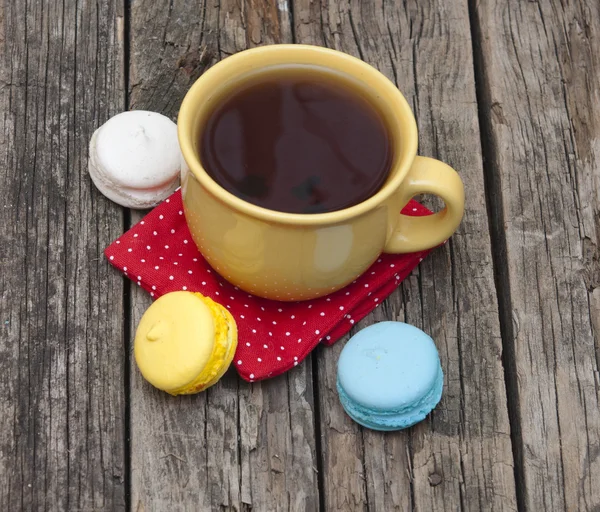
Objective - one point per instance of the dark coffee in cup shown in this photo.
(297, 139)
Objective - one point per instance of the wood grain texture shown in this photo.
(460, 458)
(541, 96)
(61, 308)
(240, 446)
(236, 446)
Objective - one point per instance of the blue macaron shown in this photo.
(389, 376)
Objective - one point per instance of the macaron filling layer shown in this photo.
(223, 350)
(395, 418)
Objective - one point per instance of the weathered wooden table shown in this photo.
(506, 92)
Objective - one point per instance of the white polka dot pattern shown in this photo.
(284, 332)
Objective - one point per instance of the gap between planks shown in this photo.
(493, 193)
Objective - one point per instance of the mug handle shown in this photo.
(428, 176)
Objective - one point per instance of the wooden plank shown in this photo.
(61, 308)
(541, 95)
(460, 458)
(237, 446)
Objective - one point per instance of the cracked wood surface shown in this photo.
(541, 104)
(62, 405)
(81, 430)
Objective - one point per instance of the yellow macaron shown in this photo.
(185, 342)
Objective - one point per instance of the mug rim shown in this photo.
(398, 171)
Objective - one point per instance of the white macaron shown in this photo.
(135, 158)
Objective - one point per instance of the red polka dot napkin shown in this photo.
(159, 255)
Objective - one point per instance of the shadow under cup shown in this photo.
(290, 256)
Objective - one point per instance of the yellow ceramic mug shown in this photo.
(289, 256)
